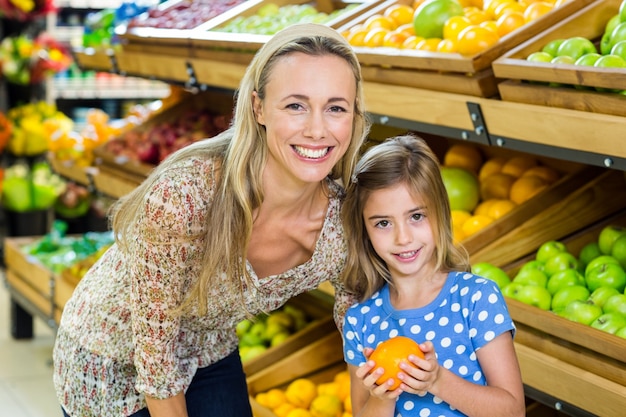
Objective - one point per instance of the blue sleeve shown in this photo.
(490, 315)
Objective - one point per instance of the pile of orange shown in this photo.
(505, 183)
(482, 25)
(305, 398)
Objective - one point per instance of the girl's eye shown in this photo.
(382, 224)
(417, 216)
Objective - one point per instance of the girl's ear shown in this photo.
(257, 107)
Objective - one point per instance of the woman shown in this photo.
(220, 231)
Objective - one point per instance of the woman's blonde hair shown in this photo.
(242, 151)
(399, 160)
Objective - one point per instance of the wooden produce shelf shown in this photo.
(97, 59)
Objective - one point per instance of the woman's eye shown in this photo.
(294, 106)
(337, 109)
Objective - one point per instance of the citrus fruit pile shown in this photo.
(305, 398)
(467, 27)
(482, 190)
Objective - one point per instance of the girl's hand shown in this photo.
(420, 377)
(368, 374)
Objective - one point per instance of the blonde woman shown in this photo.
(223, 229)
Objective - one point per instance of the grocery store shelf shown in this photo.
(116, 87)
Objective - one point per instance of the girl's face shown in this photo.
(307, 113)
(400, 231)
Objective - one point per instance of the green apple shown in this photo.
(609, 322)
(588, 59)
(599, 261)
(281, 318)
(252, 352)
(552, 46)
(607, 236)
(560, 262)
(539, 56)
(512, 289)
(563, 59)
(622, 11)
(617, 34)
(607, 275)
(621, 333)
(250, 339)
(590, 251)
(565, 278)
(548, 249)
(618, 251)
(610, 61)
(534, 296)
(575, 47)
(462, 188)
(599, 296)
(493, 273)
(243, 327)
(565, 296)
(533, 277)
(279, 338)
(615, 303)
(581, 312)
(619, 49)
(533, 264)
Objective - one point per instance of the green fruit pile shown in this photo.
(268, 330)
(588, 288)
(577, 50)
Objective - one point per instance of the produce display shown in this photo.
(482, 190)
(57, 251)
(27, 187)
(468, 27)
(586, 287)
(305, 398)
(186, 14)
(155, 142)
(271, 18)
(268, 330)
(609, 52)
(99, 28)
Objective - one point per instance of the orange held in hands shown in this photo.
(390, 353)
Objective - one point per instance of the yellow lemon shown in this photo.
(326, 406)
(301, 392)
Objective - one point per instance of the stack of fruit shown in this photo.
(468, 27)
(581, 51)
(482, 191)
(587, 288)
(305, 398)
(268, 330)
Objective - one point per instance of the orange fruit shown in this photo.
(380, 21)
(283, 410)
(408, 29)
(524, 188)
(499, 208)
(429, 44)
(477, 16)
(508, 7)
(399, 13)
(475, 39)
(490, 6)
(356, 37)
(483, 207)
(497, 185)
(375, 37)
(390, 353)
(411, 42)
(275, 397)
(508, 22)
(536, 10)
(301, 392)
(476, 223)
(490, 25)
(299, 412)
(446, 45)
(326, 406)
(547, 173)
(491, 166)
(463, 156)
(517, 165)
(395, 39)
(458, 218)
(454, 25)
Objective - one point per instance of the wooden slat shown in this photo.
(39, 301)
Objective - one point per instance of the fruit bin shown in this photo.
(207, 42)
(319, 308)
(130, 171)
(448, 72)
(576, 363)
(526, 81)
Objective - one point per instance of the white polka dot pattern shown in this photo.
(468, 313)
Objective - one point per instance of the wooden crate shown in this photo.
(319, 307)
(569, 360)
(448, 72)
(125, 174)
(530, 79)
(97, 59)
(68, 169)
(207, 38)
(318, 361)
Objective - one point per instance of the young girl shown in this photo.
(414, 282)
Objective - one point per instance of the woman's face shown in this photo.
(307, 113)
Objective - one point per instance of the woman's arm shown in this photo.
(502, 396)
(170, 407)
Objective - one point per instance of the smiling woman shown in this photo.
(249, 218)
